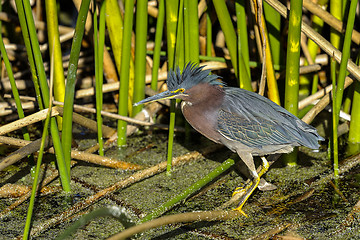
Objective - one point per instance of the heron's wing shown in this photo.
(254, 108)
(254, 134)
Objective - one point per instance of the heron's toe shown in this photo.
(239, 209)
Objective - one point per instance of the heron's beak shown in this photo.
(160, 96)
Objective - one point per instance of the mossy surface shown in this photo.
(319, 216)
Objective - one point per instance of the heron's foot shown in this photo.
(242, 189)
(239, 209)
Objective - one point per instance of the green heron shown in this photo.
(245, 122)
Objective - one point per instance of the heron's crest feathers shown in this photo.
(191, 76)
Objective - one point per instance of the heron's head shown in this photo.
(180, 84)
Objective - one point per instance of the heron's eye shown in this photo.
(179, 90)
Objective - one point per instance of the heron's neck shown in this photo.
(201, 107)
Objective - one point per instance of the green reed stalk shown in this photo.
(55, 49)
(243, 47)
(186, 28)
(191, 44)
(125, 72)
(158, 41)
(25, 33)
(273, 20)
(140, 53)
(191, 40)
(273, 91)
(228, 29)
(180, 57)
(193, 31)
(208, 33)
(99, 43)
(252, 64)
(36, 177)
(353, 145)
(171, 9)
(44, 138)
(15, 93)
(336, 11)
(71, 80)
(114, 23)
(119, 213)
(292, 66)
(34, 51)
(12, 83)
(317, 25)
(180, 50)
(343, 67)
(345, 55)
(190, 190)
(335, 122)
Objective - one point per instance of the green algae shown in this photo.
(313, 218)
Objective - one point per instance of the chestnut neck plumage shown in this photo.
(200, 108)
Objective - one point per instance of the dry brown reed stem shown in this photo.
(272, 232)
(38, 24)
(88, 24)
(136, 177)
(109, 68)
(7, 108)
(321, 59)
(63, 38)
(101, 160)
(41, 115)
(28, 120)
(256, 30)
(305, 49)
(330, 19)
(26, 150)
(219, 215)
(309, 117)
(31, 147)
(88, 123)
(338, 191)
(10, 190)
(310, 99)
(318, 39)
(24, 197)
(309, 69)
(153, 11)
(202, 6)
(93, 110)
(286, 237)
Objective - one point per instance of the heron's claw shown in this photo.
(242, 190)
(239, 209)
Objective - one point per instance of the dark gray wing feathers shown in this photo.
(257, 121)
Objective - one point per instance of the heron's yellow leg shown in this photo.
(251, 187)
(265, 166)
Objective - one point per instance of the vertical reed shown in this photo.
(292, 66)
(125, 72)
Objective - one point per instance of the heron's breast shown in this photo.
(202, 120)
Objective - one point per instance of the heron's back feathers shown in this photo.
(262, 122)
